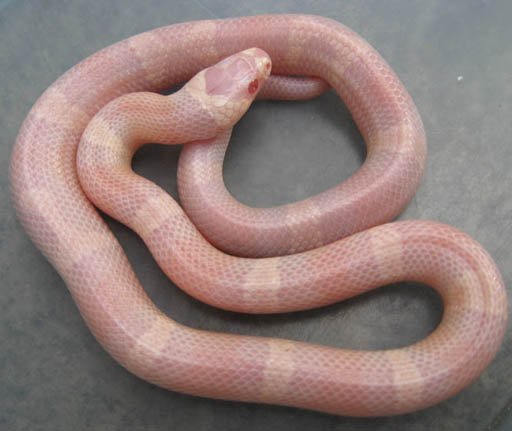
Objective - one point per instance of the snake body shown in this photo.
(64, 224)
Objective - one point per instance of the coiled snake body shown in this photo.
(63, 223)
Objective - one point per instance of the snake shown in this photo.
(72, 155)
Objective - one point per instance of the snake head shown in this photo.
(227, 88)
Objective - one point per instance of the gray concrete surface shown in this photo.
(454, 57)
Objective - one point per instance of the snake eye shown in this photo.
(253, 86)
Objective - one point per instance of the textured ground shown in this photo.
(455, 61)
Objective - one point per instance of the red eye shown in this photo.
(253, 86)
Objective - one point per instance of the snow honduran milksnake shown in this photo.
(331, 246)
